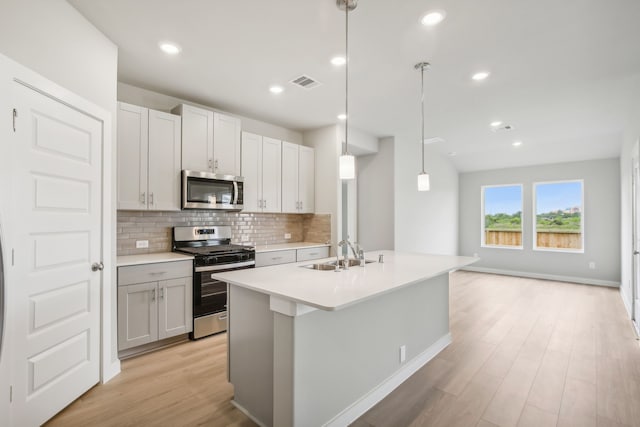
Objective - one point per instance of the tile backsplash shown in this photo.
(259, 228)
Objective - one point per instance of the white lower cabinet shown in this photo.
(264, 259)
(152, 310)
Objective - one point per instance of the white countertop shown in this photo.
(328, 290)
(285, 246)
(123, 261)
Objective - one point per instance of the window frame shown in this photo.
(483, 243)
(534, 236)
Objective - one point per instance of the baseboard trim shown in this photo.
(367, 401)
(110, 371)
(554, 277)
(626, 301)
(247, 413)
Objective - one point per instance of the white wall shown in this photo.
(601, 222)
(326, 143)
(376, 198)
(158, 101)
(53, 39)
(425, 222)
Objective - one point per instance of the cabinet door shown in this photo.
(271, 175)
(226, 144)
(175, 307)
(197, 138)
(164, 161)
(289, 177)
(306, 180)
(252, 171)
(137, 315)
(132, 156)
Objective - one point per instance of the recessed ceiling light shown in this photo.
(342, 116)
(338, 60)
(170, 48)
(480, 75)
(496, 124)
(517, 143)
(276, 89)
(433, 18)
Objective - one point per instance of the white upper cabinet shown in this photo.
(148, 159)
(197, 137)
(133, 148)
(210, 141)
(226, 144)
(298, 178)
(261, 169)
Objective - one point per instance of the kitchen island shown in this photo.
(309, 347)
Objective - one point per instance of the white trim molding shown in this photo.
(554, 277)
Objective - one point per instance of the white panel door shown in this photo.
(271, 175)
(197, 139)
(226, 144)
(306, 179)
(57, 185)
(290, 201)
(252, 171)
(164, 161)
(133, 125)
(175, 307)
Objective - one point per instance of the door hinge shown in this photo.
(13, 257)
(15, 115)
(10, 393)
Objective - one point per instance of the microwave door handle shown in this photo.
(235, 192)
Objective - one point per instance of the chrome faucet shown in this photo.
(358, 252)
(345, 265)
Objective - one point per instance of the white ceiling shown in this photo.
(564, 73)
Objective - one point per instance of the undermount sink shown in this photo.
(323, 267)
(331, 265)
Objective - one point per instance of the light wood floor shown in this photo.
(525, 353)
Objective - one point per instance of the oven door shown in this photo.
(210, 298)
(202, 190)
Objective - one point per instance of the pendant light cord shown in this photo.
(346, 78)
(422, 100)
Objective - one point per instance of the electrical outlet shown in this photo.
(141, 244)
(245, 238)
(403, 353)
(592, 265)
(287, 235)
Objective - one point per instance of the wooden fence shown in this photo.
(544, 239)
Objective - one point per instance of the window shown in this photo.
(559, 221)
(502, 216)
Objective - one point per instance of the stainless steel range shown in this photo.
(213, 251)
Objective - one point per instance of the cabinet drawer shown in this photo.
(276, 257)
(313, 253)
(154, 272)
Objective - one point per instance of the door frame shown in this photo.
(17, 73)
(635, 230)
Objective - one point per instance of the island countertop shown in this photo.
(328, 290)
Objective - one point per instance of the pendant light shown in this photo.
(423, 177)
(347, 165)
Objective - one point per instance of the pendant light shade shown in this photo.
(423, 177)
(423, 182)
(347, 164)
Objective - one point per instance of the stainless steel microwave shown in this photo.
(204, 190)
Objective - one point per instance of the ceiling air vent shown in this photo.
(305, 82)
(504, 128)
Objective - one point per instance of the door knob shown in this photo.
(97, 266)
(636, 252)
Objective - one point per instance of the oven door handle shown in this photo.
(225, 266)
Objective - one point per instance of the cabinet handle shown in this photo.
(210, 163)
(300, 205)
(265, 204)
(157, 273)
(215, 165)
(153, 294)
(151, 198)
(276, 258)
(161, 293)
(143, 198)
